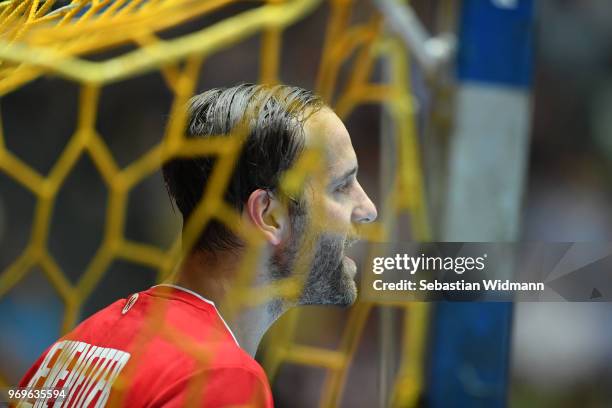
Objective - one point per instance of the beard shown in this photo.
(329, 275)
(330, 280)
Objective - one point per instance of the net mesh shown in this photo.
(40, 37)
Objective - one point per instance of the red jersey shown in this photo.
(185, 355)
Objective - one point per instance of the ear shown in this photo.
(265, 211)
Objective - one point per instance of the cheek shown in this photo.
(329, 215)
(337, 217)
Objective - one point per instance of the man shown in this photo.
(187, 354)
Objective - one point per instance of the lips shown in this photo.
(349, 242)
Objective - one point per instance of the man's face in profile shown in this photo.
(324, 222)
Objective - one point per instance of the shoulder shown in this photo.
(165, 371)
(218, 386)
(219, 359)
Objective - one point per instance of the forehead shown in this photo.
(326, 128)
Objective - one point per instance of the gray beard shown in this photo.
(327, 281)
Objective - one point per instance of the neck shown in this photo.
(212, 276)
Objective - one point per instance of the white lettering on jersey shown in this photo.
(86, 372)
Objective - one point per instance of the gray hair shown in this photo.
(274, 117)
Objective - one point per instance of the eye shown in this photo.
(344, 187)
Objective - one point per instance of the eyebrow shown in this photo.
(347, 174)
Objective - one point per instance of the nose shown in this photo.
(365, 210)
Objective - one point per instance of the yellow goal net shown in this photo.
(42, 38)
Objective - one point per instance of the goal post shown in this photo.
(469, 359)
